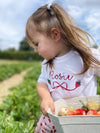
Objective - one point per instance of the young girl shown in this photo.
(70, 65)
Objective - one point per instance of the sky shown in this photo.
(14, 15)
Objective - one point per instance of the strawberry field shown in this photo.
(20, 111)
(7, 70)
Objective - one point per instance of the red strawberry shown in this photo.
(98, 112)
(49, 81)
(78, 83)
(80, 112)
(92, 112)
(71, 112)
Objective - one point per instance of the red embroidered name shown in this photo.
(59, 76)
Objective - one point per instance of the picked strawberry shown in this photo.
(71, 112)
(63, 111)
(80, 111)
(98, 112)
(92, 112)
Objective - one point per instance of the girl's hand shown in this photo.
(47, 103)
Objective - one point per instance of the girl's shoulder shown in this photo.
(95, 52)
(44, 62)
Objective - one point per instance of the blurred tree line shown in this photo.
(24, 46)
(25, 52)
(95, 46)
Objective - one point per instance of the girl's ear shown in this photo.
(55, 34)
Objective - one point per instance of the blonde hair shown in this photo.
(45, 19)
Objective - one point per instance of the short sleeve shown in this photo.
(96, 54)
(42, 77)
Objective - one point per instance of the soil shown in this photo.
(11, 82)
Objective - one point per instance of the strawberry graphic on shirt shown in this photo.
(77, 84)
(64, 85)
(49, 81)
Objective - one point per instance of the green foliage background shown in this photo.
(8, 70)
(20, 111)
(19, 55)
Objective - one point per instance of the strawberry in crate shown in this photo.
(64, 111)
(92, 107)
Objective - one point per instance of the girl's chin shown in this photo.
(47, 58)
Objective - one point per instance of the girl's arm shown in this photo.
(47, 101)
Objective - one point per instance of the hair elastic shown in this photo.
(49, 5)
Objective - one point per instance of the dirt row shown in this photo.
(8, 83)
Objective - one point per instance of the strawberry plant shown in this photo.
(8, 70)
(20, 111)
(98, 85)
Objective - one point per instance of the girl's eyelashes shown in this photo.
(36, 44)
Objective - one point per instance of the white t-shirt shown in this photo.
(63, 81)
